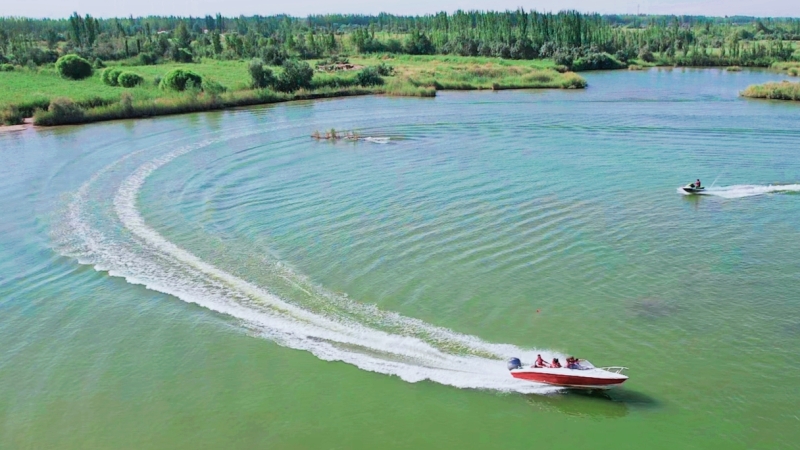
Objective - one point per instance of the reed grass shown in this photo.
(786, 66)
(334, 80)
(733, 69)
(784, 90)
(400, 87)
(187, 103)
(467, 73)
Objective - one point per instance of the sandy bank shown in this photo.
(28, 123)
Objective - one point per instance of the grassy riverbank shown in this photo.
(34, 92)
(791, 68)
(470, 73)
(784, 90)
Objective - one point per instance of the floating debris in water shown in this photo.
(333, 135)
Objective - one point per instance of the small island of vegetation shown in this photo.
(784, 90)
(85, 69)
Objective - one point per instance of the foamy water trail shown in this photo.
(358, 334)
(377, 140)
(748, 190)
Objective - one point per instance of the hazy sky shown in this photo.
(106, 8)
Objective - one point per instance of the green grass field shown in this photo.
(24, 86)
(28, 90)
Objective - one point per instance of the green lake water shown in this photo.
(222, 280)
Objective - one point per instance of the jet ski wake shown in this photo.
(741, 190)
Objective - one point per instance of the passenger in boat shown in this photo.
(555, 364)
(572, 363)
(697, 184)
(539, 362)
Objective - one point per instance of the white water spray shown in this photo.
(748, 190)
(412, 350)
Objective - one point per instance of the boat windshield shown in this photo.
(585, 365)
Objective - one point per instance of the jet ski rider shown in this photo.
(696, 184)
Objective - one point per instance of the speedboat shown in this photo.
(689, 188)
(584, 375)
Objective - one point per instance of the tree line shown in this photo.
(571, 38)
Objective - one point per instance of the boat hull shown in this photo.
(690, 190)
(588, 379)
(569, 381)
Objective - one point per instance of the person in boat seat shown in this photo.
(539, 362)
(555, 364)
(572, 363)
(696, 184)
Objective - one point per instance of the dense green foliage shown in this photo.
(129, 79)
(596, 61)
(261, 77)
(110, 76)
(520, 34)
(440, 51)
(180, 79)
(296, 75)
(73, 67)
(11, 115)
(146, 59)
(62, 111)
(369, 76)
(384, 70)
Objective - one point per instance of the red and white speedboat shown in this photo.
(584, 375)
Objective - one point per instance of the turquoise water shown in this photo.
(222, 280)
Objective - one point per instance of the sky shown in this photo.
(118, 8)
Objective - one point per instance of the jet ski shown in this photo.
(691, 189)
(581, 375)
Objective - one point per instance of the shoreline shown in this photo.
(238, 99)
(92, 100)
(247, 98)
(25, 125)
(29, 121)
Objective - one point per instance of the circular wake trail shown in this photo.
(354, 333)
